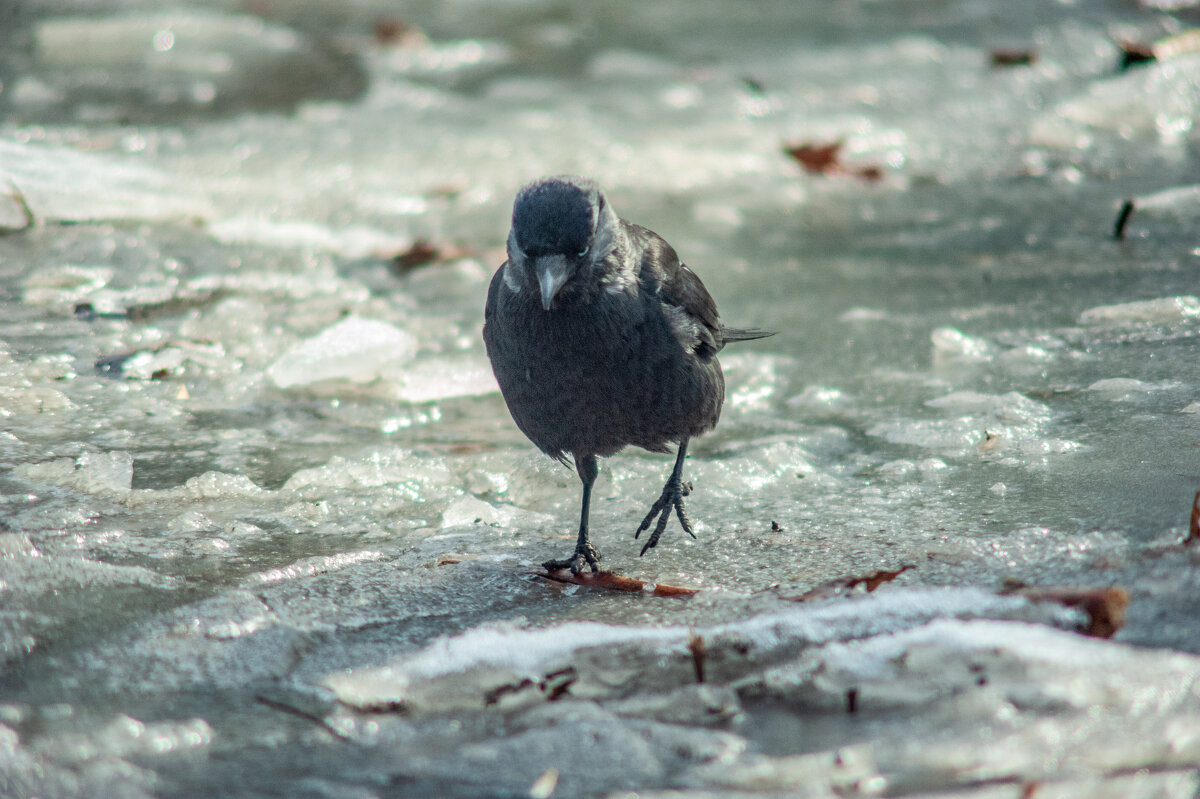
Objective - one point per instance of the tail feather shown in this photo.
(744, 333)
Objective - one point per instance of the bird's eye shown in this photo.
(585, 249)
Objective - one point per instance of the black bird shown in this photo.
(600, 338)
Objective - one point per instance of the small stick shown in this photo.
(1122, 220)
(304, 714)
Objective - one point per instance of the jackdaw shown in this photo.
(601, 338)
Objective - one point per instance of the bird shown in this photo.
(601, 338)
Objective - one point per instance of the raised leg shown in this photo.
(671, 499)
(587, 468)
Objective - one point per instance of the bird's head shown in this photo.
(563, 229)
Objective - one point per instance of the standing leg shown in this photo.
(672, 499)
(588, 468)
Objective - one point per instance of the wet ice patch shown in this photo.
(1167, 310)
(61, 184)
(347, 241)
(417, 475)
(180, 61)
(1119, 389)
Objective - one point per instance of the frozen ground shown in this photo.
(266, 528)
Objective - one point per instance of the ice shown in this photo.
(64, 184)
(107, 474)
(190, 59)
(1167, 310)
(431, 379)
(1158, 100)
(1126, 388)
(470, 511)
(456, 672)
(988, 424)
(952, 344)
(354, 350)
(247, 454)
(66, 284)
(350, 242)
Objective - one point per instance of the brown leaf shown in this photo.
(842, 584)
(1193, 536)
(614, 582)
(825, 159)
(398, 33)
(420, 253)
(819, 159)
(424, 252)
(1135, 53)
(1001, 57)
(1105, 607)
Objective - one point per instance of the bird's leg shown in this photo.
(672, 499)
(587, 468)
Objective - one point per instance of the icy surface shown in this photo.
(266, 527)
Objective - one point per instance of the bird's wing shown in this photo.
(680, 288)
(493, 296)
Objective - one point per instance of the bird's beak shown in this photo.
(551, 273)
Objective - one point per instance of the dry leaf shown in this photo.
(1105, 607)
(825, 159)
(615, 582)
(842, 584)
(1013, 58)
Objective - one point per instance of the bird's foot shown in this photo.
(585, 554)
(671, 499)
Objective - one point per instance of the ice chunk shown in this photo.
(467, 511)
(31, 400)
(1177, 200)
(601, 660)
(432, 379)
(66, 284)
(104, 473)
(354, 350)
(952, 344)
(1167, 310)
(1157, 99)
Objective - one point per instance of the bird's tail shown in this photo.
(745, 333)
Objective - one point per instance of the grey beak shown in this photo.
(551, 273)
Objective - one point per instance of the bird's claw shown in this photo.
(585, 553)
(671, 499)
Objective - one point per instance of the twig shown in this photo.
(1122, 220)
(304, 714)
